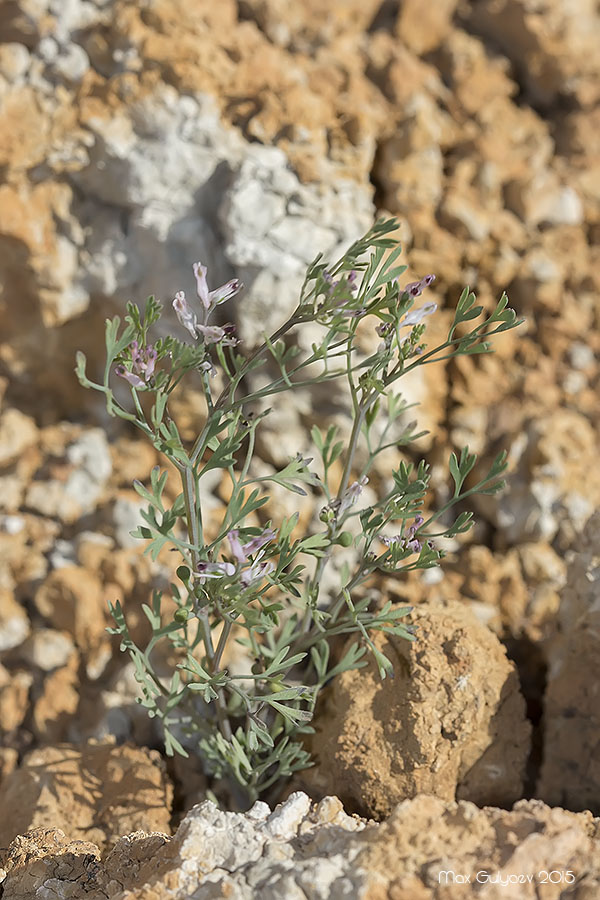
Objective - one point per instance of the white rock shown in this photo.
(285, 820)
(565, 207)
(14, 623)
(48, 49)
(48, 649)
(272, 262)
(126, 516)
(14, 61)
(63, 554)
(12, 524)
(72, 63)
(212, 839)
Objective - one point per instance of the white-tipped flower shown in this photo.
(417, 315)
(351, 495)
(213, 570)
(186, 316)
(210, 299)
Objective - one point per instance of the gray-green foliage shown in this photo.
(255, 585)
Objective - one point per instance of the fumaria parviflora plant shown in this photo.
(257, 585)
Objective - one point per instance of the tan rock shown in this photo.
(451, 722)
(308, 25)
(23, 549)
(553, 482)
(17, 432)
(9, 760)
(482, 850)
(14, 698)
(57, 704)
(496, 581)
(410, 163)
(71, 599)
(476, 77)
(423, 27)
(132, 459)
(556, 38)
(97, 791)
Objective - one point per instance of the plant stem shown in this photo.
(191, 507)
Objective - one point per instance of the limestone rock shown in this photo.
(97, 792)
(47, 649)
(307, 850)
(451, 722)
(554, 485)
(275, 226)
(570, 771)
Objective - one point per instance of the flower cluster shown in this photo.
(241, 553)
(409, 541)
(211, 334)
(143, 361)
(341, 295)
(336, 509)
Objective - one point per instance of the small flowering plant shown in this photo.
(259, 583)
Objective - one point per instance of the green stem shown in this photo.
(189, 485)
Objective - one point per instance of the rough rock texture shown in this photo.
(97, 792)
(558, 44)
(570, 773)
(503, 854)
(318, 851)
(451, 722)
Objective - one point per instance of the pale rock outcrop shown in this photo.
(427, 848)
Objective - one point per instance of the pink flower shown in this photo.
(143, 362)
(133, 379)
(416, 288)
(351, 495)
(241, 553)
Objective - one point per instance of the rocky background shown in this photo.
(137, 138)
